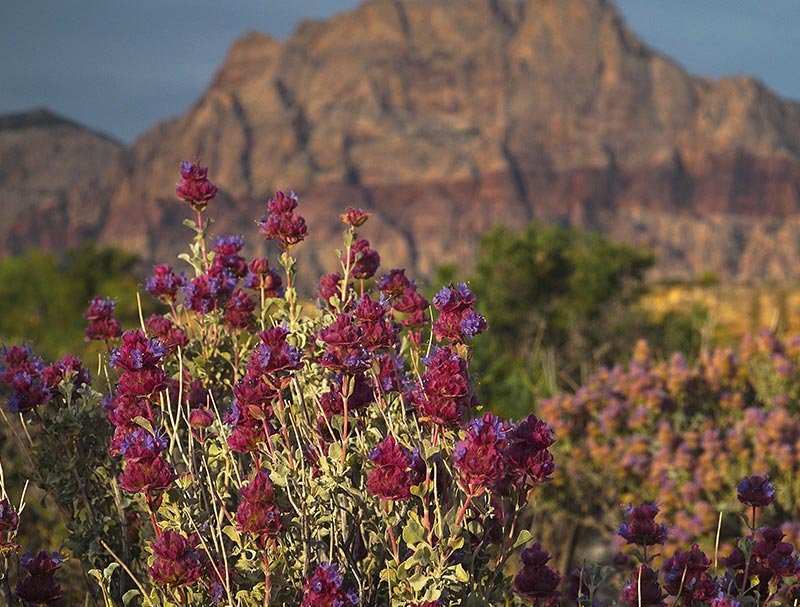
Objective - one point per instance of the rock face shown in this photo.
(446, 117)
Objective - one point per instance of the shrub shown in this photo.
(243, 449)
(680, 436)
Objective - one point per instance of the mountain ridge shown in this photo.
(446, 118)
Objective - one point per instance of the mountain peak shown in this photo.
(447, 117)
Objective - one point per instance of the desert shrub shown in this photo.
(43, 297)
(679, 435)
(242, 449)
(42, 301)
(761, 569)
(561, 302)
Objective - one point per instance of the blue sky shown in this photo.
(119, 66)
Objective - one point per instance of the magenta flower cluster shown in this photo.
(40, 586)
(32, 384)
(536, 580)
(640, 526)
(102, 323)
(282, 222)
(407, 305)
(9, 523)
(444, 395)
(257, 513)
(164, 283)
(458, 321)
(267, 372)
(325, 588)
(496, 454)
(194, 186)
(177, 560)
(396, 470)
(141, 379)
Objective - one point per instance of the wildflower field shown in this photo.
(247, 447)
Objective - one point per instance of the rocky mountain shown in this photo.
(42, 158)
(446, 117)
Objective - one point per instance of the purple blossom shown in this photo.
(394, 472)
(164, 283)
(480, 456)
(324, 589)
(363, 260)
(536, 580)
(281, 222)
(756, 491)
(194, 187)
(640, 527)
(102, 324)
(177, 561)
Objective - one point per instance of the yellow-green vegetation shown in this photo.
(733, 309)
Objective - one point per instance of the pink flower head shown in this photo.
(139, 359)
(377, 332)
(137, 443)
(194, 186)
(685, 572)
(164, 283)
(151, 476)
(177, 561)
(257, 514)
(480, 457)
(9, 520)
(640, 527)
(261, 276)
(536, 580)
(756, 491)
(282, 222)
(204, 292)
(201, 418)
(403, 297)
(239, 311)
(324, 589)
(394, 472)
(227, 258)
(102, 324)
(363, 260)
(646, 579)
(167, 332)
(529, 460)
(330, 285)
(70, 367)
(458, 320)
(26, 379)
(274, 354)
(345, 349)
(40, 587)
(354, 217)
(444, 395)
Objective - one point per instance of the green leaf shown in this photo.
(523, 538)
(129, 596)
(144, 423)
(461, 574)
(109, 571)
(413, 533)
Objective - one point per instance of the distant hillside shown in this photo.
(42, 157)
(446, 117)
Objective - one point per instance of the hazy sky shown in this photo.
(120, 65)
